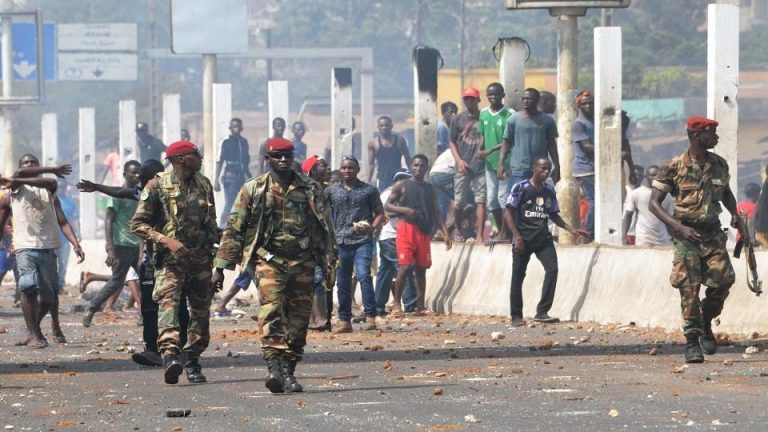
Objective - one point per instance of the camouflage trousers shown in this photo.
(193, 280)
(285, 304)
(704, 263)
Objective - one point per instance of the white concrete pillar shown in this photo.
(512, 71)
(50, 139)
(87, 152)
(171, 118)
(222, 114)
(127, 131)
(277, 92)
(567, 80)
(723, 83)
(341, 114)
(425, 101)
(209, 77)
(366, 123)
(608, 168)
(2, 146)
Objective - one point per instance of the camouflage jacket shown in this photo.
(251, 224)
(166, 209)
(697, 191)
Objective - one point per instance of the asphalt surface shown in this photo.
(416, 373)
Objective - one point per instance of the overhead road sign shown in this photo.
(25, 64)
(103, 66)
(209, 27)
(546, 4)
(98, 37)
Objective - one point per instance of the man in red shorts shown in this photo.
(415, 202)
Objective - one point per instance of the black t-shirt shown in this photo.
(234, 151)
(419, 195)
(532, 208)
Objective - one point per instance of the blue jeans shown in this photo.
(37, 273)
(62, 258)
(231, 188)
(588, 186)
(498, 190)
(357, 257)
(388, 268)
(244, 279)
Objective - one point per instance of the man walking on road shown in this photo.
(277, 227)
(37, 217)
(122, 246)
(415, 202)
(176, 212)
(357, 214)
(532, 203)
(698, 181)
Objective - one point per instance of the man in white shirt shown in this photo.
(649, 230)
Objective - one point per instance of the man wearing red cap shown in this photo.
(278, 229)
(176, 212)
(698, 181)
(470, 170)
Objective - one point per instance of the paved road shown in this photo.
(417, 373)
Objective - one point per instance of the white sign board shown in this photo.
(98, 37)
(209, 27)
(97, 66)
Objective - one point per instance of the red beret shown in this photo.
(279, 144)
(697, 123)
(472, 92)
(308, 164)
(180, 148)
(583, 95)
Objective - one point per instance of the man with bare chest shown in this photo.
(386, 151)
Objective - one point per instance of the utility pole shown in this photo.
(567, 81)
(209, 77)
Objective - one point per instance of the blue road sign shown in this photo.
(25, 65)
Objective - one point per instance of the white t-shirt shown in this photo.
(444, 163)
(649, 230)
(389, 230)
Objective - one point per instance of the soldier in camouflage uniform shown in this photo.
(698, 180)
(278, 227)
(176, 212)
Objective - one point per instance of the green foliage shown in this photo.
(672, 82)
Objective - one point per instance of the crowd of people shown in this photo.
(298, 231)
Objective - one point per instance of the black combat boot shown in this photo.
(173, 369)
(707, 340)
(291, 385)
(693, 350)
(274, 381)
(194, 371)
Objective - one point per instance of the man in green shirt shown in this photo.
(493, 120)
(122, 246)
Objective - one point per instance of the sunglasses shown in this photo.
(348, 157)
(280, 155)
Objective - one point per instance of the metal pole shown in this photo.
(209, 77)
(567, 78)
(8, 114)
(366, 109)
(153, 102)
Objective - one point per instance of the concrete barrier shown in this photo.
(603, 284)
